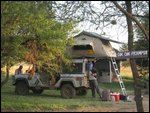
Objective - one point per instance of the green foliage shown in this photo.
(124, 47)
(144, 79)
(25, 21)
(142, 44)
(125, 63)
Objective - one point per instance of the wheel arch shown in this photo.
(66, 82)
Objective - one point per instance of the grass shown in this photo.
(50, 100)
(126, 71)
(115, 86)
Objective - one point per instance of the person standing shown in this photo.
(19, 70)
(94, 84)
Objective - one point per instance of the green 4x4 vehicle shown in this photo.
(70, 83)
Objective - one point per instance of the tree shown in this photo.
(137, 92)
(38, 38)
(129, 17)
(101, 13)
(141, 43)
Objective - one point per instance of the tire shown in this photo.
(37, 91)
(21, 88)
(81, 92)
(68, 91)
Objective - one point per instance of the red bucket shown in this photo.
(116, 96)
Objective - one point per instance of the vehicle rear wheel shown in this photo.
(21, 88)
(37, 91)
(68, 91)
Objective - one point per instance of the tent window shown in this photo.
(82, 47)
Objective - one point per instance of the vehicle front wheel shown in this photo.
(68, 91)
(21, 88)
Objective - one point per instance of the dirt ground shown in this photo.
(117, 107)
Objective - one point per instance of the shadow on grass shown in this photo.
(10, 93)
(45, 95)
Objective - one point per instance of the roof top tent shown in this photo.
(92, 45)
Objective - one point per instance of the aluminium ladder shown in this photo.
(118, 76)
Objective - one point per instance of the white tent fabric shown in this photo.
(100, 48)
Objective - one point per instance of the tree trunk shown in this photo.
(137, 89)
(7, 76)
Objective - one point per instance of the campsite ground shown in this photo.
(116, 107)
(50, 100)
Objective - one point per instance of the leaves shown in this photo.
(32, 34)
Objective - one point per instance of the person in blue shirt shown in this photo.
(90, 65)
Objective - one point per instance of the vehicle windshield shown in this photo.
(74, 68)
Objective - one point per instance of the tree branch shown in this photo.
(146, 16)
(133, 18)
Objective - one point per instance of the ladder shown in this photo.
(118, 76)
